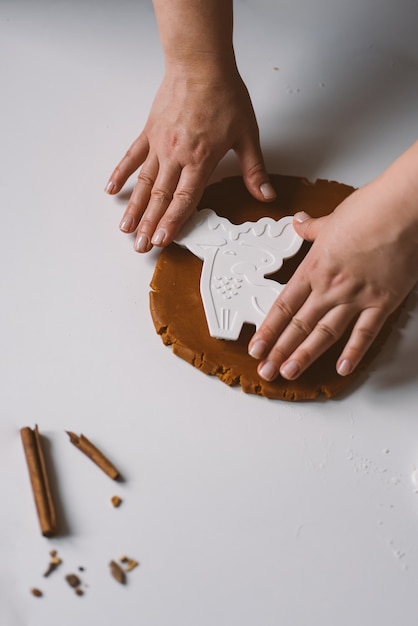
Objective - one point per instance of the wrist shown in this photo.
(201, 64)
(196, 35)
(400, 181)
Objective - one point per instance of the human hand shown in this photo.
(362, 264)
(193, 122)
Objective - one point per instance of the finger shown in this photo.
(290, 358)
(186, 196)
(134, 157)
(325, 333)
(140, 196)
(313, 326)
(154, 204)
(362, 336)
(253, 169)
(306, 226)
(283, 310)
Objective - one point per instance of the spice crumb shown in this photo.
(53, 563)
(117, 572)
(131, 565)
(36, 592)
(116, 501)
(73, 580)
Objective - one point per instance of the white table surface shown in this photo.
(241, 511)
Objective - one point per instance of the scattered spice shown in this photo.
(35, 459)
(94, 454)
(116, 501)
(117, 572)
(74, 582)
(36, 592)
(31, 441)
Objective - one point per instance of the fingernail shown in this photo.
(301, 216)
(345, 367)
(268, 191)
(158, 237)
(110, 186)
(268, 371)
(126, 223)
(257, 349)
(142, 243)
(290, 370)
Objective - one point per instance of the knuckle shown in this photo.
(360, 340)
(304, 356)
(365, 333)
(185, 200)
(189, 150)
(255, 171)
(282, 308)
(301, 326)
(278, 355)
(198, 150)
(184, 196)
(147, 224)
(161, 196)
(385, 298)
(326, 331)
(130, 158)
(268, 333)
(201, 152)
(132, 208)
(145, 179)
(117, 172)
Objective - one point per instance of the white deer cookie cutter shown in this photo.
(236, 259)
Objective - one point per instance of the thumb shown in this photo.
(306, 226)
(254, 170)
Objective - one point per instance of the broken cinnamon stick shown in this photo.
(94, 454)
(32, 445)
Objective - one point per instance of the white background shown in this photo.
(242, 511)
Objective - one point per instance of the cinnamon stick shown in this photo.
(94, 454)
(32, 445)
